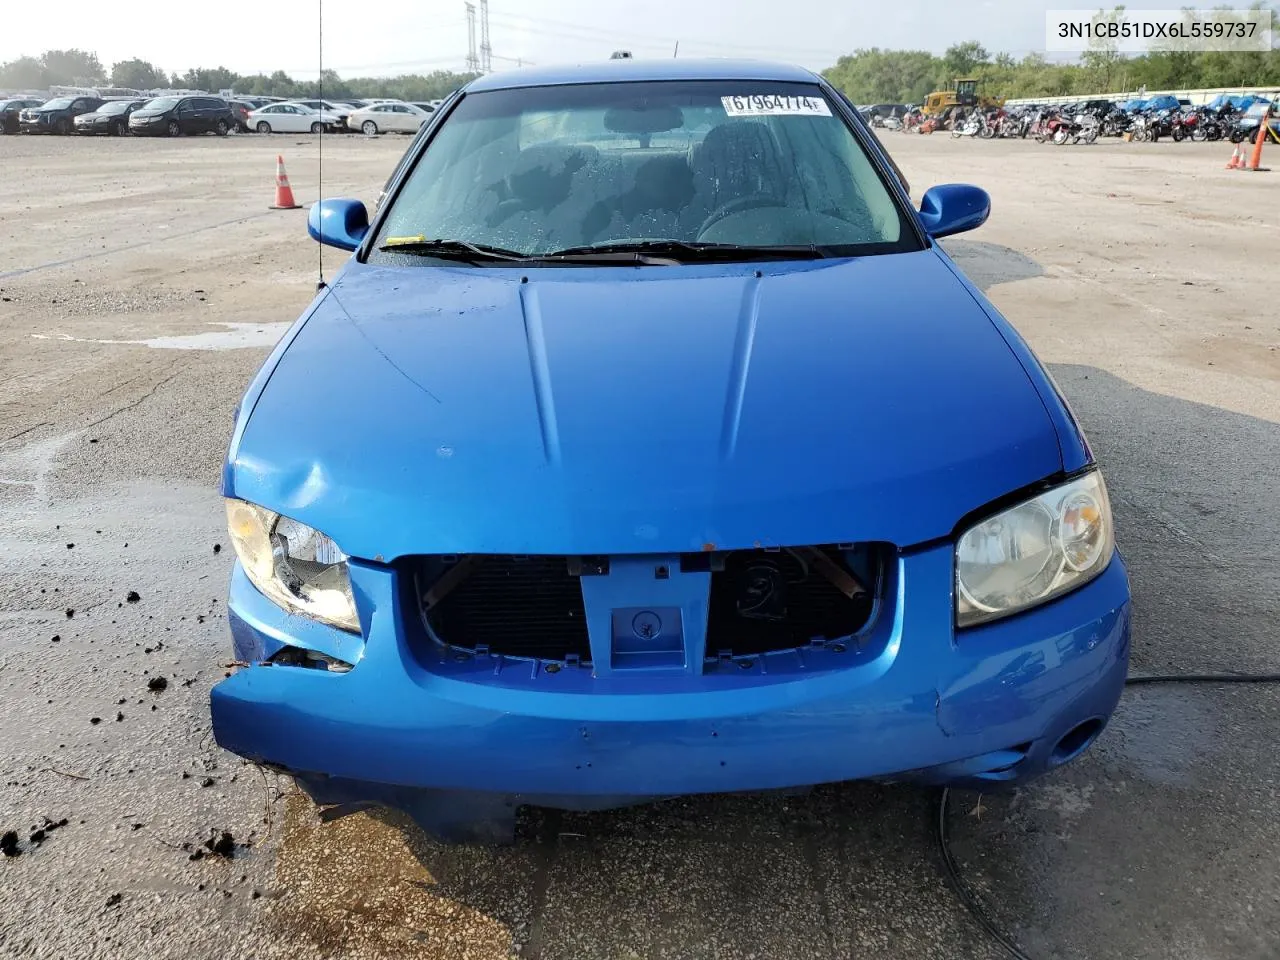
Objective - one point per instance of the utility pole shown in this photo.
(486, 51)
(473, 62)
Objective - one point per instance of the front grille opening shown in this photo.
(767, 600)
(760, 600)
(515, 606)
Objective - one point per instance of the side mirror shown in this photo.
(338, 223)
(954, 208)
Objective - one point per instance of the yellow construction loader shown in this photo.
(964, 94)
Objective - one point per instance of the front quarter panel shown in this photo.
(1076, 453)
(244, 409)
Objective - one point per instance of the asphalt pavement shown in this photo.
(142, 282)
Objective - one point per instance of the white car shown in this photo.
(340, 110)
(292, 118)
(388, 118)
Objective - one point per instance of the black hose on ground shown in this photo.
(955, 879)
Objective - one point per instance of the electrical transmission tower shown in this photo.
(486, 51)
(473, 62)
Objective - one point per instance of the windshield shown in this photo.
(160, 103)
(60, 104)
(542, 169)
(116, 106)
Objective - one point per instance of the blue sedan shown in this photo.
(649, 444)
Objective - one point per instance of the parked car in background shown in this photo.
(175, 116)
(10, 110)
(240, 110)
(388, 118)
(1247, 125)
(57, 115)
(292, 118)
(339, 110)
(423, 105)
(111, 118)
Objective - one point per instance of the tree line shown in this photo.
(80, 68)
(908, 76)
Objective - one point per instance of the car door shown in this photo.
(209, 112)
(294, 119)
(392, 119)
(406, 120)
(185, 114)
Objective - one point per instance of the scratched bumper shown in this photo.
(917, 701)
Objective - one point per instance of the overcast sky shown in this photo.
(386, 37)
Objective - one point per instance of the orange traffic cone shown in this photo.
(1236, 161)
(284, 192)
(1255, 161)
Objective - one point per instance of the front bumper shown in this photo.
(143, 128)
(453, 740)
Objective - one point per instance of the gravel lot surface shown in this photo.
(141, 284)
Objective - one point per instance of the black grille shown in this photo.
(518, 606)
(776, 600)
(532, 606)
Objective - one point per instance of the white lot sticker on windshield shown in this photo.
(775, 105)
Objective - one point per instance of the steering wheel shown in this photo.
(754, 201)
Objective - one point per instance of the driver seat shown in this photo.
(737, 159)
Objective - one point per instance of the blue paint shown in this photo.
(640, 414)
(930, 700)
(616, 421)
(647, 592)
(338, 223)
(954, 208)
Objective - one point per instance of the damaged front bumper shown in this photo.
(459, 741)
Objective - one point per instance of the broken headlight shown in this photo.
(1034, 551)
(297, 567)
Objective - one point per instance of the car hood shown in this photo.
(654, 409)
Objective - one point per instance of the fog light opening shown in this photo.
(312, 659)
(1075, 741)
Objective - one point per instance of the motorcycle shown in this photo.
(1193, 124)
(1087, 126)
(974, 125)
(1009, 125)
(1046, 125)
(1162, 124)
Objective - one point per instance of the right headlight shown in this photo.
(1032, 552)
(298, 567)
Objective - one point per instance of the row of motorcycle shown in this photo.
(1068, 124)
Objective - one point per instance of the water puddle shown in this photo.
(235, 336)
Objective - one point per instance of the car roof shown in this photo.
(606, 71)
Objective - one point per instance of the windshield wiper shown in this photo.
(483, 252)
(454, 249)
(686, 251)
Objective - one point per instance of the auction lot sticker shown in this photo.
(775, 105)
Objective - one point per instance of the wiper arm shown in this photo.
(474, 252)
(458, 249)
(687, 251)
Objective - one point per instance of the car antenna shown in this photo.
(320, 284)
(676, 52)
